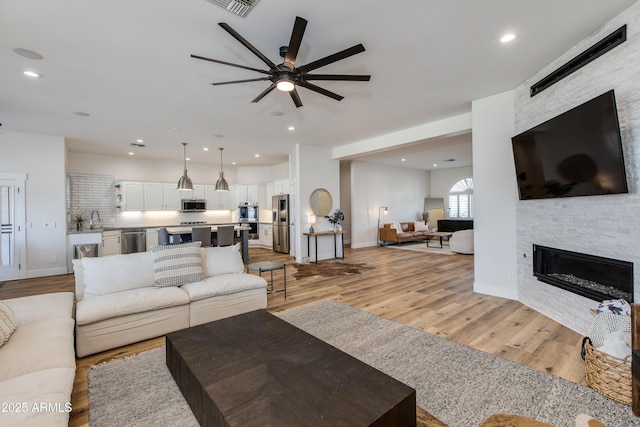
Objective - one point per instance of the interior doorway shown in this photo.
(11, 228)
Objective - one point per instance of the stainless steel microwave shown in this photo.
(193, 205)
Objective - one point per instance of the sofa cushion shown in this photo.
(8, 323)
(222, 260)
(420, 226)
(113, 273)
(50, 387)
(39, 345)
(175, 265)
(91, 310)
(397, 226)
(223, 285)
(35, 308)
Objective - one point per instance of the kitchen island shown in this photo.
(183, 234)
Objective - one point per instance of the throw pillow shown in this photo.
(222, 260)
(397, 226)
(420, 226)
(175, 265)
(8, 323)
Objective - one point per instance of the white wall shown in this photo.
(443, 179)
(402, 190)
(42, 158)
(136, 169)
(314, 168)
(495, 197)
(607, 225)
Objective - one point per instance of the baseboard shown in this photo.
(57, 271)
(495, 290)
(363, 245)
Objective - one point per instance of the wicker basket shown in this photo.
(608, 375)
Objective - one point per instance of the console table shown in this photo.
(335, 235)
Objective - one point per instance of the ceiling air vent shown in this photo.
(237, 7)
(137, 144)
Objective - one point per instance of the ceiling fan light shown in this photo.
(285, 85)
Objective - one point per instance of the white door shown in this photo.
(11, 228)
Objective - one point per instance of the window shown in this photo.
(461, 199)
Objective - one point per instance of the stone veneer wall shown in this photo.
(600, 225)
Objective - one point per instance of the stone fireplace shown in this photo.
(594, 277)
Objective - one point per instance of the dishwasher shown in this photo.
(133, 240)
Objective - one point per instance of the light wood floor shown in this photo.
(426, 291)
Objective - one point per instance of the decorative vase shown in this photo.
(338, 227)
(78, 226)
(332, 227)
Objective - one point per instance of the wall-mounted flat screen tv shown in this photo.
(578, 153)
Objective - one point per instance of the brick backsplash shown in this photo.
(89, 192)
(599, 225)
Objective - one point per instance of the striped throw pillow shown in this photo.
(8, 323)
(175, 265)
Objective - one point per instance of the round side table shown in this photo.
(271, 266)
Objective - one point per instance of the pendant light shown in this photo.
(221, 184)
(184, 183)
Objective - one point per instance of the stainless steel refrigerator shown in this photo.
(280, 208)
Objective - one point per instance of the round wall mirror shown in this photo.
(320, 202)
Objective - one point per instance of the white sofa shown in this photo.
(37, 362)
(119, 300)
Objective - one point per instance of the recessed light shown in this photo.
(403, 160)
(205, 149)
(188, 158)
(81, 114)
(256, 155)
(30, 73)
(507, 38)
(435, 165)
(139, 140)
(27, 53)
(291, 128)
(132, 153)
(233, 163)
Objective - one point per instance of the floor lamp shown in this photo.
(386, 210)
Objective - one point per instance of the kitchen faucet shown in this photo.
(91, 221)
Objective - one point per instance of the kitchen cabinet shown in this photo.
(266, 235)
(132, 192)
(281, 187)
(110, 242)
(152, 237)
(159, 196)
(246, 194)
(172, 197)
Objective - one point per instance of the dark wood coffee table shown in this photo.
(255, 369)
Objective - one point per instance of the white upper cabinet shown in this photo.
(153, 196)
(132, 193)
(172, 197)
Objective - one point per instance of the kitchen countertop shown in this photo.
(189, 226)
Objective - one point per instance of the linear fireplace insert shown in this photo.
(591, 276)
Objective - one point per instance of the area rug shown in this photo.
(328, 269)
(459, 385)
(434, 248)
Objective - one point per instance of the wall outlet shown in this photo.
(49, 224)
(509, 276)
(53, 259)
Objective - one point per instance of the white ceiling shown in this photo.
(127, 64)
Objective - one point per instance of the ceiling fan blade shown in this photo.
(295, 98)
(240, 81)
(332, 58)
(246, 44)
(342, 77)
(321, 90)
(264, 92)
(229, 63)
(294, 44)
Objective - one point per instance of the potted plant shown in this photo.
(78, 218)
(335, 218)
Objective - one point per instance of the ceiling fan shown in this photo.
(287, 76)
